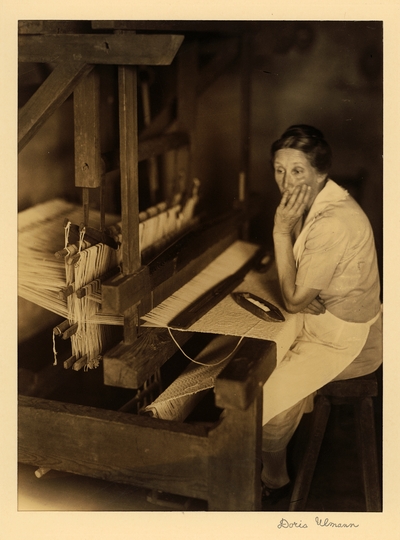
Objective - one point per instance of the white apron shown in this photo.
(324, 348)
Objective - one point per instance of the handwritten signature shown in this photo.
(285, 524)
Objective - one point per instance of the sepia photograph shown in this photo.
(200, 263)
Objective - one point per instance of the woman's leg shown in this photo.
(275, 438)
(280, 429)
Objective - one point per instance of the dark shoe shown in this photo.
(273, 496)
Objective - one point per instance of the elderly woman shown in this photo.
(327, 269)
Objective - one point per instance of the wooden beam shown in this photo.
(163, 143)
(226, 27)
(113, 446)
(148, 148)
(245, 117)
(53, 27)
(160, 122)
(127, 89)
(130, 365)
(119, 49)
(238, 389)
(238, 385)
(234, 466)
(88, 167)
(186, 113)
(171, 270)
(52, 93)
(129, 174)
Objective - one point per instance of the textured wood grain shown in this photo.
(50, 95)
(113, 446)
(127, 90)
(172, 269)
(130, 365)
(123, 49)
(88, 169)
(240, 382)
(234, 468)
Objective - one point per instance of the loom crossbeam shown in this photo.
(131, 49)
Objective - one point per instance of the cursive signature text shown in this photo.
(285, 524)
(327, 523)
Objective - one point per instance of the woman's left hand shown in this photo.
(316, 307)
(291, 208)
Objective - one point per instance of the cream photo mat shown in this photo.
(99, 525)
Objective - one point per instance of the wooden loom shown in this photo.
(220, 461)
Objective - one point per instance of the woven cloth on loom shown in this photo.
(179, 399)
(227, 317)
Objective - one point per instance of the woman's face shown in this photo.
(292, 169)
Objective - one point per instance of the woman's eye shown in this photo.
(297, 171)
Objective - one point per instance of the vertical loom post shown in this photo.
(245, 62)
(87, 132)
(127, 88)
(186, 114)
(88, 166)
(152, 168)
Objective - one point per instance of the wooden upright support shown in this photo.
(88, 170)
(50, 95)
(186, 114)
(245, 117)
(235, 464)
(127, 87)
(131, 259)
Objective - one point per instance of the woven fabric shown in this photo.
(179, 399)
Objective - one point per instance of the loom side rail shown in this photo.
(113, 446)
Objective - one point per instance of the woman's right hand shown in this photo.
(290, 209)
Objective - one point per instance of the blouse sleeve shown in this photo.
(324, 249)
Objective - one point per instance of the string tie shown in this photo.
(67, 229)
(82, 233)
(201, 363)
(54, 350)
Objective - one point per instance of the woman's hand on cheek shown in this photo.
(291, 208)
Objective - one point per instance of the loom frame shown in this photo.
(218, 462)
(223, 459)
